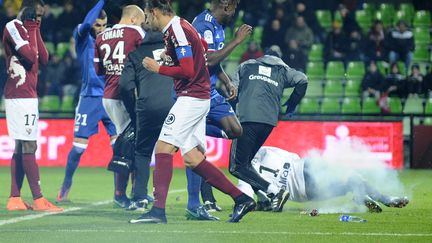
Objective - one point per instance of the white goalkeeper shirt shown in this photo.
(281, 168)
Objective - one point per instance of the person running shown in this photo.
(184, 127)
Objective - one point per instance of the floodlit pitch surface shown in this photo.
(91, 217)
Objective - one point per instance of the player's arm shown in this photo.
(18, 37)
(127, 88)
(232, 90)
(299, 81)
(42, 50)
(214, 57)
(185, 70)
(90, 19)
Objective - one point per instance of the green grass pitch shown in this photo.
(91, 217)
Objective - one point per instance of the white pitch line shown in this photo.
(163, 231)
(41, 215)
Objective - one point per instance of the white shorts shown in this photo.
(22, 117)
(117, 113)
(185, 125)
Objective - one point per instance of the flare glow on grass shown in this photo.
(91, 219)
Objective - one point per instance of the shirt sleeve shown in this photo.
(19, 39)
(236, 77)
(85, 27)
(299, 81)
(185, 69)
(206, 32)
(42, 50)
(98, 61)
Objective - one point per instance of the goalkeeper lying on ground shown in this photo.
(303, 179)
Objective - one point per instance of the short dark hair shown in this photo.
(163, 5)
(225, 3)
(102, 14)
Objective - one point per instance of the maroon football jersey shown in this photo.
(180, 36)
(22, 64)
(112, 48)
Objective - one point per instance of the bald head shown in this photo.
(132, 14)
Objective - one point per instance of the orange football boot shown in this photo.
(17, 204)
(42, 204)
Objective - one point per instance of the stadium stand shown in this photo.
(337, 82)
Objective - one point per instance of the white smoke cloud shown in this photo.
(347, 162)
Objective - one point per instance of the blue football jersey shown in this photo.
(92, 84)
(214, 34)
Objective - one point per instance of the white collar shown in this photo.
(175, 18)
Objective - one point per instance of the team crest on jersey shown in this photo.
(208, 36)
(170, 119)
(16, 70)
(28, 130)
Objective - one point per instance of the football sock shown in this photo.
(217, 178)
(272, 189)
(121, 182)
(19, 169)
(162, 175)
(31, 170)
(207, 192)
(215, 131)
(73, 160)
(157, 211)
(193, 187)
(17, 176)
(261, 196)
(241, 199)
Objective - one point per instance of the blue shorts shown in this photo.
(88, 113)
(219, 108)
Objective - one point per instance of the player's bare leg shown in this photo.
(231, 126)
(228, 127)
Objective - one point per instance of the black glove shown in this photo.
(27, 13)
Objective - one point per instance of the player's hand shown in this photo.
(232, 91)
(243, 32)
(151, 64)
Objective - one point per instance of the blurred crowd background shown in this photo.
(360, 56)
